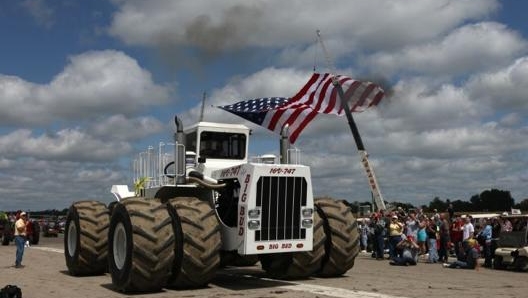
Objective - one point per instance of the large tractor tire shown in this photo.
(198, 243)
(5, 240)
(298, 265)
(498, 264)
(141, 245)
(34, 239)
(520, 264)
(86, 238)
(342, 245)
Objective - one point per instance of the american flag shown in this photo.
(318, 96)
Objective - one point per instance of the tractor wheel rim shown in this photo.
(72, 238)
(119, 246)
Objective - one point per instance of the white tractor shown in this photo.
(200, 203)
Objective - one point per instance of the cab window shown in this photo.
(222, 145)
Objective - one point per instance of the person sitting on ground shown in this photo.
(409, 253)
(469, 260)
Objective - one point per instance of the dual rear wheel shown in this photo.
(141, 245)
(144, 244)
(85, 238)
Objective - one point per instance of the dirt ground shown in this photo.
(45, 275)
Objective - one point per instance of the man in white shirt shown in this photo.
(468, 230)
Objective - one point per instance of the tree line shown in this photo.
(493, 200)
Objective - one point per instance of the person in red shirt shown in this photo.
(456, 234)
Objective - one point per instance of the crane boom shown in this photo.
(369, 170)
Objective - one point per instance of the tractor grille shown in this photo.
(280, 200)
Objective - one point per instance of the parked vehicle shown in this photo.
(33, 232)
(7, 231)
(512, 250)
(50, 229)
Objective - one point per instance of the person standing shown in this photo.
(364, 232)
(443, 250)
(412, 226)
(395, 235)
(485, 237)
(422, 235)
(378, 225)
(431, 236)
(20, 238)
(468, 230)
(456, 234)
(451, 211)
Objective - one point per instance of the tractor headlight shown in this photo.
(307, 223)
(254, 224)
(254, 213)
(307, 212)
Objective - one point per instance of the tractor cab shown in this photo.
(216, 145)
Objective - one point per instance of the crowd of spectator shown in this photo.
(433, 238)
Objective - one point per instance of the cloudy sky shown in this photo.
(85, 85)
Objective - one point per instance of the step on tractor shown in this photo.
(200, 203)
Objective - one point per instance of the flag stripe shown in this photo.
(348, 93)
(295, 134)
(311, 82)
(318, 96)
(363, 97)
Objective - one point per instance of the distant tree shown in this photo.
(437, 204)
(462, 206)
(523, 205)
(492, 200)
(476, 202)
